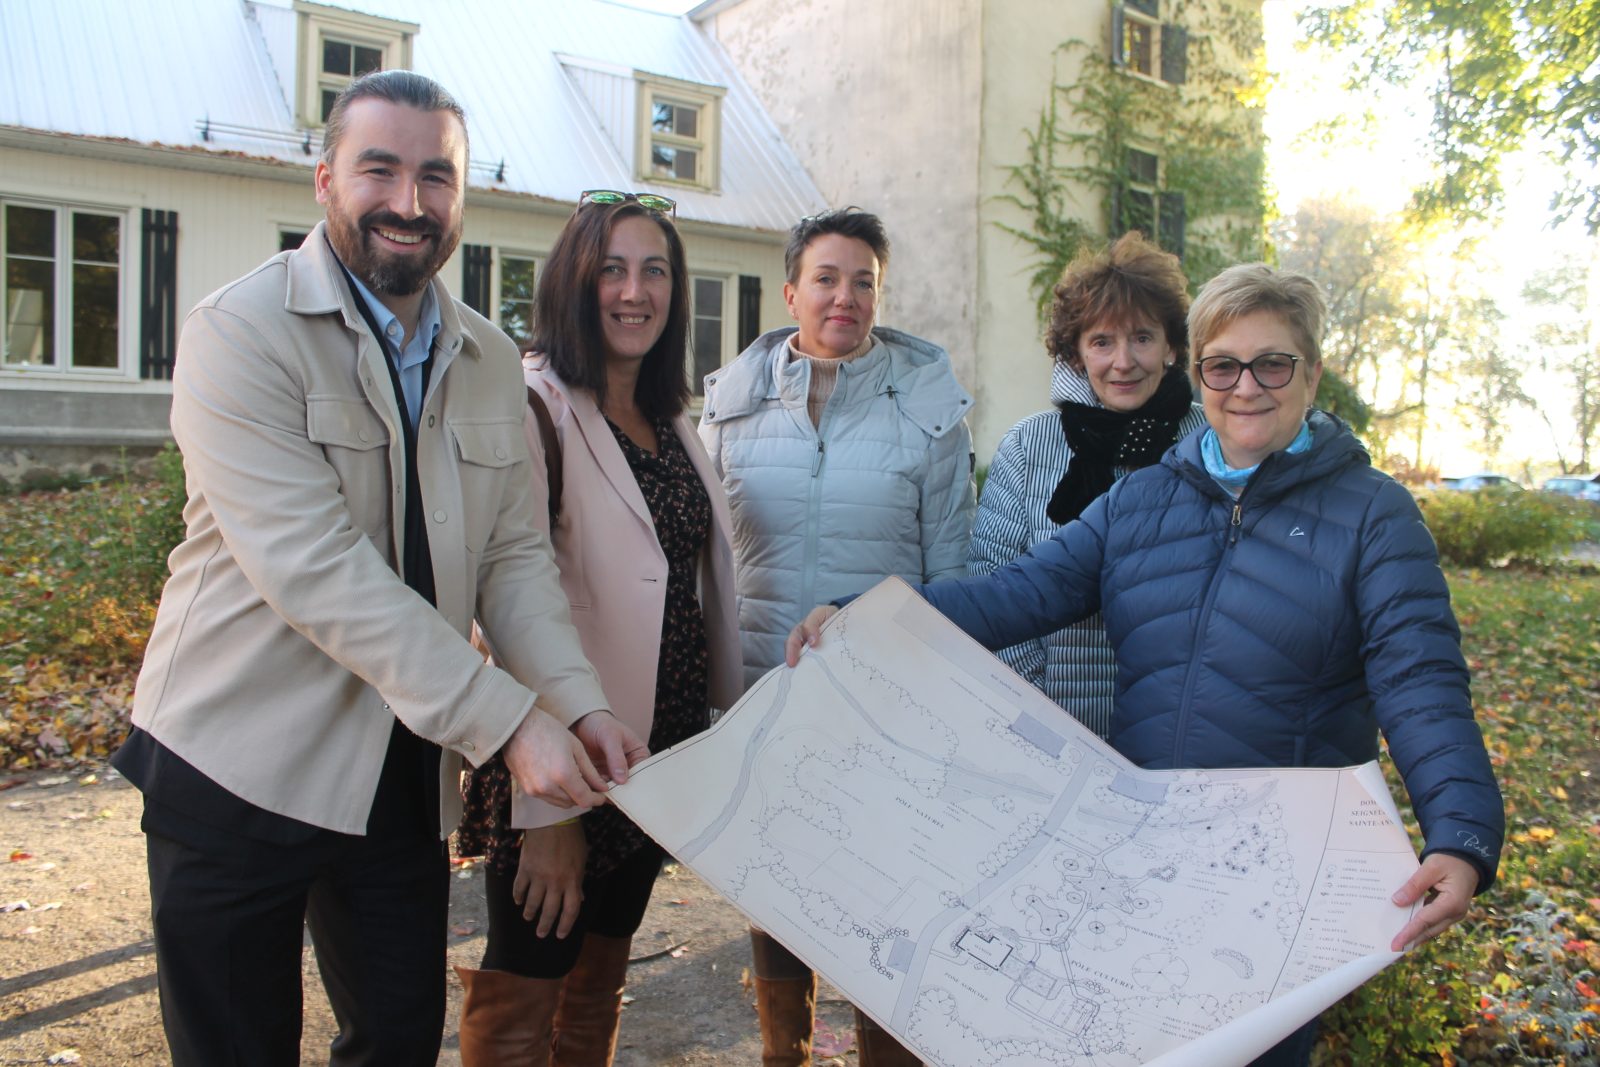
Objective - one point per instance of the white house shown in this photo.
(152, 152)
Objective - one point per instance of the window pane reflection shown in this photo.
(95, 238)
(30, 311)
(94, 316)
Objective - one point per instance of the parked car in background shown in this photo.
(1581, 488)
(1482, 480)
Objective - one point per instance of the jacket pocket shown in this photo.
(355, 442)
(346, 422)
(487, 450)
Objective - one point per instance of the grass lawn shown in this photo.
(1519, 983)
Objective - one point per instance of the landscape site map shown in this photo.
(995, 885)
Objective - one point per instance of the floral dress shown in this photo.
(681, 512)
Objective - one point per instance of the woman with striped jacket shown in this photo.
(1122, 395)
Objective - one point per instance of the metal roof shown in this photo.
(547, 86)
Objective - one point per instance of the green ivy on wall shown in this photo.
(1207, 133)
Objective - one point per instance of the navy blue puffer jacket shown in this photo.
(1283, 629)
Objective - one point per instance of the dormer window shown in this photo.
(342, 63)
(336, 47)
(678, 131)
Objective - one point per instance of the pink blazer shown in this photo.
(613, 569)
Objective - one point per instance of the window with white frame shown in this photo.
(518, 276)
(709, 309)
(1142, 44)
(679, 131)
(336, 47)
(61, 287)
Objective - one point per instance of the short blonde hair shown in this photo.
(1250, 287)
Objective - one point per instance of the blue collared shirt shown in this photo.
(408, 360)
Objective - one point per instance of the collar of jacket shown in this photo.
(316, 287)
(914, 372)
(1333, 447)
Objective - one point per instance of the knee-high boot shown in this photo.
(878, 1046)
(786, 1001)
(591, 1003)
(506, 1019)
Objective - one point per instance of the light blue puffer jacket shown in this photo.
(883, 486)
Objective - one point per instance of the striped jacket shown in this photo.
(1073, 666)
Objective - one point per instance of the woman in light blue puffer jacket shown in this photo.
(846, 458)
(830, 498)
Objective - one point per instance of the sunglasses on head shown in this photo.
(664, 205)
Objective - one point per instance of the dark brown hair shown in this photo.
(566, 312)
(846, 222)
(397, 87)
(1130, 279)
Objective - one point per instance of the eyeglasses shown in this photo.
(649, 201)
(1271, 370)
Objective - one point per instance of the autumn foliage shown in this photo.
(1514, 984)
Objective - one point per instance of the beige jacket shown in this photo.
(286, 641)
(614, 571)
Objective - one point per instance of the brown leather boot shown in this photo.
(786, 1002)
(591, 1003)
(506, 1019)
(878, 1048)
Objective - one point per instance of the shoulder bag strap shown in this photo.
(552, 450)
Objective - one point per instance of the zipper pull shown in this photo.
(1235, 522)
(816, 463)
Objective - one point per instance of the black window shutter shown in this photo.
(1174, 54)
(1171, 223)
(1119, 57)
(1138, 211)
(749, 309)
(475, 263)
(158, 294)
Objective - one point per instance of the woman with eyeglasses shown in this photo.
(1122, 394)
(1272, 600)
(846, 458)
(640, 529)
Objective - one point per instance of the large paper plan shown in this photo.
(995, 885)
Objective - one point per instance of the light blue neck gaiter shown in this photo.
(1233, 478)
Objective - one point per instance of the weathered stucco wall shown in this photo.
(1021, 61)
(917, 111)
(877, 101)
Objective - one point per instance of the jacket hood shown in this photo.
(1071, 386)
(913, 371)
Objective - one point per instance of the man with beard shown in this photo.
(358, 493)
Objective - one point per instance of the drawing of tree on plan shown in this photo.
(996, 886)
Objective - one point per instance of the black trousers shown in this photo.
(613, 906)
(230, 911)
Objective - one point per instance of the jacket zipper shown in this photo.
(1186, 700)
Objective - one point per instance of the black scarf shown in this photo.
(1102, 440)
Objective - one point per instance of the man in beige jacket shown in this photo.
(358, 494)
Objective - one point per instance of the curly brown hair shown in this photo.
(1130, 279)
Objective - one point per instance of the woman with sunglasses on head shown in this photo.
(1272, 600)
(639, 525)
(1122, 393)
(846, 458)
